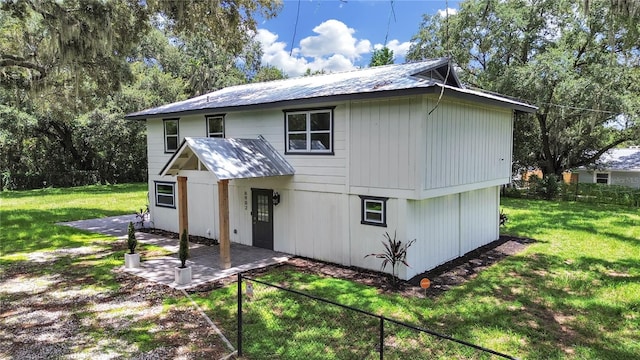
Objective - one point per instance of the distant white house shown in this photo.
(322, 166)
(615, 167)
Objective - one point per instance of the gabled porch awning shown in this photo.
(228, 159)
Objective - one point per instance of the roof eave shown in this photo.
(289, 103)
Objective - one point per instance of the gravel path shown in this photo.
(52, 308)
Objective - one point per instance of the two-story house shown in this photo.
(322, 166)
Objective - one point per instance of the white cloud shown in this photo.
(399, 49)
(333, 49)
(334, 37)
(274, 54)
(451, 11)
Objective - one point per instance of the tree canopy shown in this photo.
(70, 70)
(382, 56)
(580, 68)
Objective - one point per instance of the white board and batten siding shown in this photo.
(323, 173)
(447, 227)
(440, 173)
(319, 174)
(466, 147)
(383, 137)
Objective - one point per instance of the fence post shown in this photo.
(381, 338)
(239, 314)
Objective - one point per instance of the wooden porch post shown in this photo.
(183, 210)
(223, 204)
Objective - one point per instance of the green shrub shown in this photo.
(132, 242)
(183, 253)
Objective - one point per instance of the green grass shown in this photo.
(61, 260)
(28, 218)
(574, 293)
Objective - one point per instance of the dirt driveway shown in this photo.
(51, 307)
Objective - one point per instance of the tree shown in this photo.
(268, 73)
(96, 37)
(382, 56)
(69, 71)
(580, 69)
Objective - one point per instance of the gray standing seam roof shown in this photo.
(230, 159)
(621, 159)
(375, 80)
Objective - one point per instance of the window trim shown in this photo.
(363, 210)
(177, 135)
(308, 132)
(595, 177)
(173, 193)
(216, 116)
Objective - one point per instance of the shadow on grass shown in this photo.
(534, 217)
(33, 230)
(537, 306)
(554, 306)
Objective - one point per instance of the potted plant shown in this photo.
(132, 259)
(183, 272)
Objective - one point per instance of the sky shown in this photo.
(340, 35)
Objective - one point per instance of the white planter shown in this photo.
(182, 275)
(132, 261)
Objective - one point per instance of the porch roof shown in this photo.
(228, 159)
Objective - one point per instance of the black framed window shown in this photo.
(602, 178)
(165, 194)
(374, 210)
(309, 131)
(215, 126)
(170, 135)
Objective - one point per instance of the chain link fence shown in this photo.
(279, 323)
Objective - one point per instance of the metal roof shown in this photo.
(418, 77)
(228, 159)
(621, 159)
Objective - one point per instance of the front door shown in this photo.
(262, 217)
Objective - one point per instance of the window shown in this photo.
(309, 131)
(215, 126)
(170, 135)
(374, 211)
(602, 178)
(165, 194)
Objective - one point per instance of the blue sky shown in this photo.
(334, 35)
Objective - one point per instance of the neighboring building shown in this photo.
(322, 166)
(615, 167)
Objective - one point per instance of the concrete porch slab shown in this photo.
(204, 260)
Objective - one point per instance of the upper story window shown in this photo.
(215, 126)
(309, 131)
(170, 135)
(602, 178)
(374, 210)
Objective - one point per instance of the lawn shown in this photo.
(63, 295)
(574, 293)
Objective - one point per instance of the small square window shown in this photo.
(374, 210)
(165, 194)
(602, 178)
(215, 126)
(171, 136)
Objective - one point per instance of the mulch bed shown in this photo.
(442, 278)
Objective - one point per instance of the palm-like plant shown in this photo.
(395, 253)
